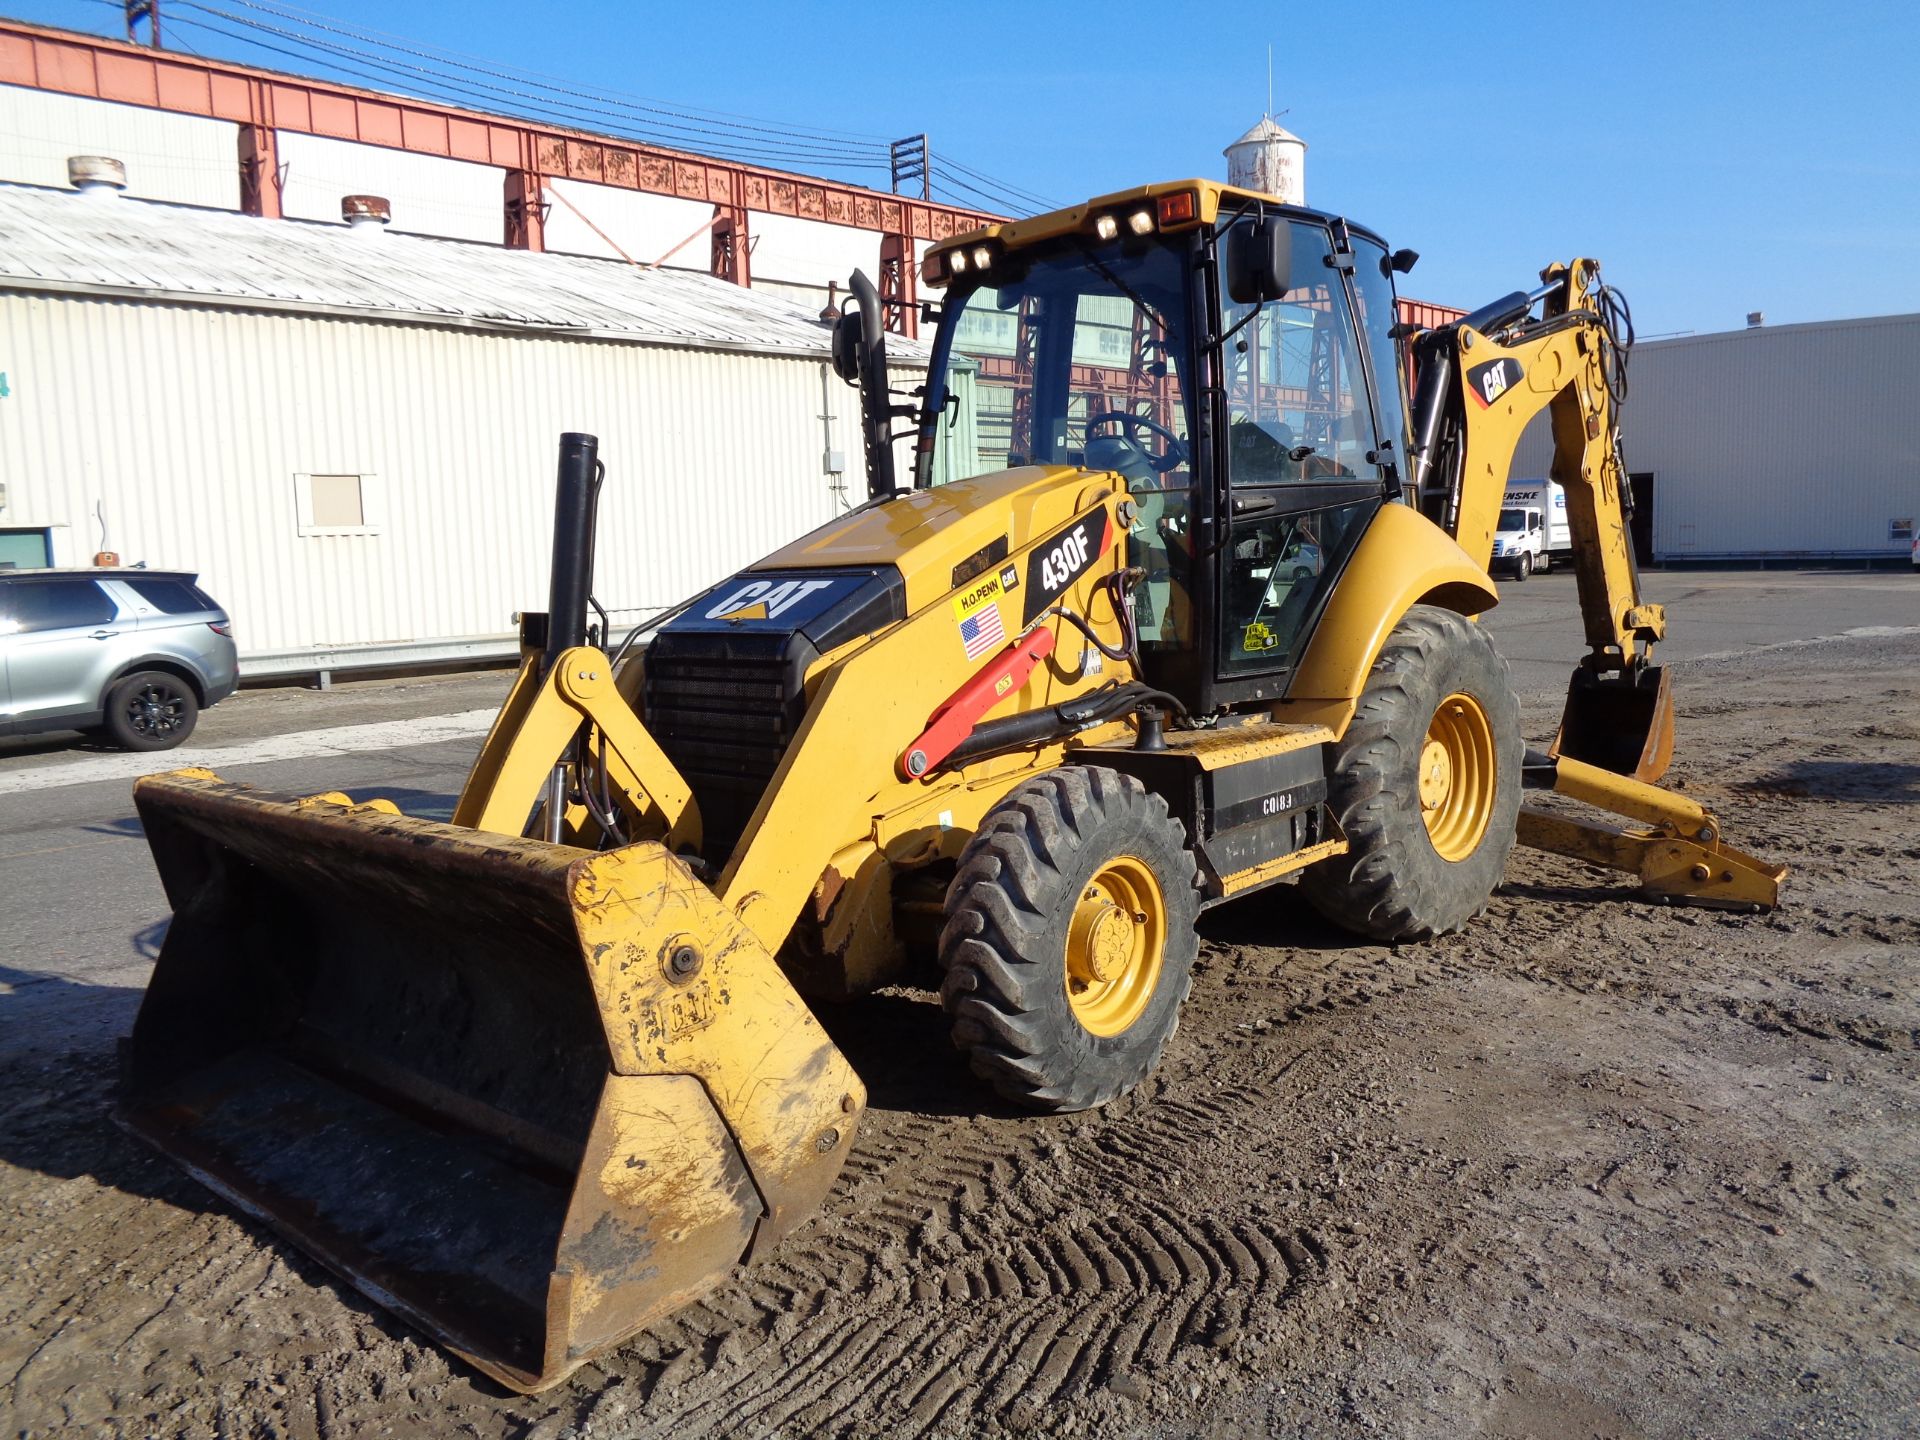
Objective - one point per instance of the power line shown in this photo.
(491, 93)
(389, 61)
(953, 183)
(455, 56)
(445, 88)
(1042, 201)
(706, 120)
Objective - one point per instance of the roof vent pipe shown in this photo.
(366, 214)
(96, 175)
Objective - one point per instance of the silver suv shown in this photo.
(134, 655)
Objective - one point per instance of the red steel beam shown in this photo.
(68, 62)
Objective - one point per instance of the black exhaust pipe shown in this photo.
(575, 504)
(876, 408)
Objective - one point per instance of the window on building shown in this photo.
(337, 504)
(25, 549)
(1900, 529)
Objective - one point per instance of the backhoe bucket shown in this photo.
(1621, 725)
(531, 1098)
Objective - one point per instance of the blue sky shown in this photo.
(1718, 158)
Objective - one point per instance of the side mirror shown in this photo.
(1404, 260)
(847, 343)
(1259, 261)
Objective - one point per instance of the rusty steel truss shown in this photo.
(265, 102)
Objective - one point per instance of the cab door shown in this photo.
(1304, 456)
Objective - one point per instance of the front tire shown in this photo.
(151, 710)
(1425, 784)
(1069, 941)
(1524, 568)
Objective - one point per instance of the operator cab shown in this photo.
(1230, 358)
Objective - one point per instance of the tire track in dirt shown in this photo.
(1056, 1246)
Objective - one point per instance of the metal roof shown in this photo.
(1265, 129)
(60, 241)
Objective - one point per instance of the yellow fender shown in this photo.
(1403, 560)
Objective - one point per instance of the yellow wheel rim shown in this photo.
(1457, 777)
(1116, 944)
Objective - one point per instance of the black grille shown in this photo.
(724, 721)
(726, 680)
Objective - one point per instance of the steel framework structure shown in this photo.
(265, 102)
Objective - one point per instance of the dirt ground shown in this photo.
(1592, 1169)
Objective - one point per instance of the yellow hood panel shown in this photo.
(926, 533)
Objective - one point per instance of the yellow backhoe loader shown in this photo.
(1178, 604)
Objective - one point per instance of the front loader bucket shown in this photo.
(1621, 725)
(529, 1097)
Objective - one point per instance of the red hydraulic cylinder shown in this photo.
(954, 720)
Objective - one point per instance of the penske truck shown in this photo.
(1532, 534)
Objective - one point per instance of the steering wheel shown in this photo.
(1174, 454)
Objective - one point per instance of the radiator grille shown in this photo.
(724, 721)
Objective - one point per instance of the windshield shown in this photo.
(1513, 520)
(1078, 359)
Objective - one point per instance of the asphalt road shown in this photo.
(80, 905)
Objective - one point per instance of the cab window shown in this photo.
(1079, 356)
(1296, 393)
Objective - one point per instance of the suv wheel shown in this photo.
(151, 710)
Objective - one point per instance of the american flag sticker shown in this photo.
(977, 608)
(983, 631)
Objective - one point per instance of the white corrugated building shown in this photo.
(352, 437)
(1778, 442)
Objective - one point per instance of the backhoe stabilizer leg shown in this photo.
(1675, 849)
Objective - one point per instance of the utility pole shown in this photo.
(149, 11)
(910, 158)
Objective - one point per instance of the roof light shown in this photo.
(982, 257)
(957, 262)
(1140, 222)
(1178, 208)
(1106, 227)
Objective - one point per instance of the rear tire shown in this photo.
(150, 710)
(1425, 783)
(1069, 940)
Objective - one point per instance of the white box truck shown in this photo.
(1532, 533)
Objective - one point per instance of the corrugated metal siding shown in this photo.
(1779, 442)
(1783, 441)
(183, 158)
(190, 425)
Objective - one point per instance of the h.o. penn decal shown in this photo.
(1061, 559)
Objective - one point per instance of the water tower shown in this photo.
(1271, 159)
